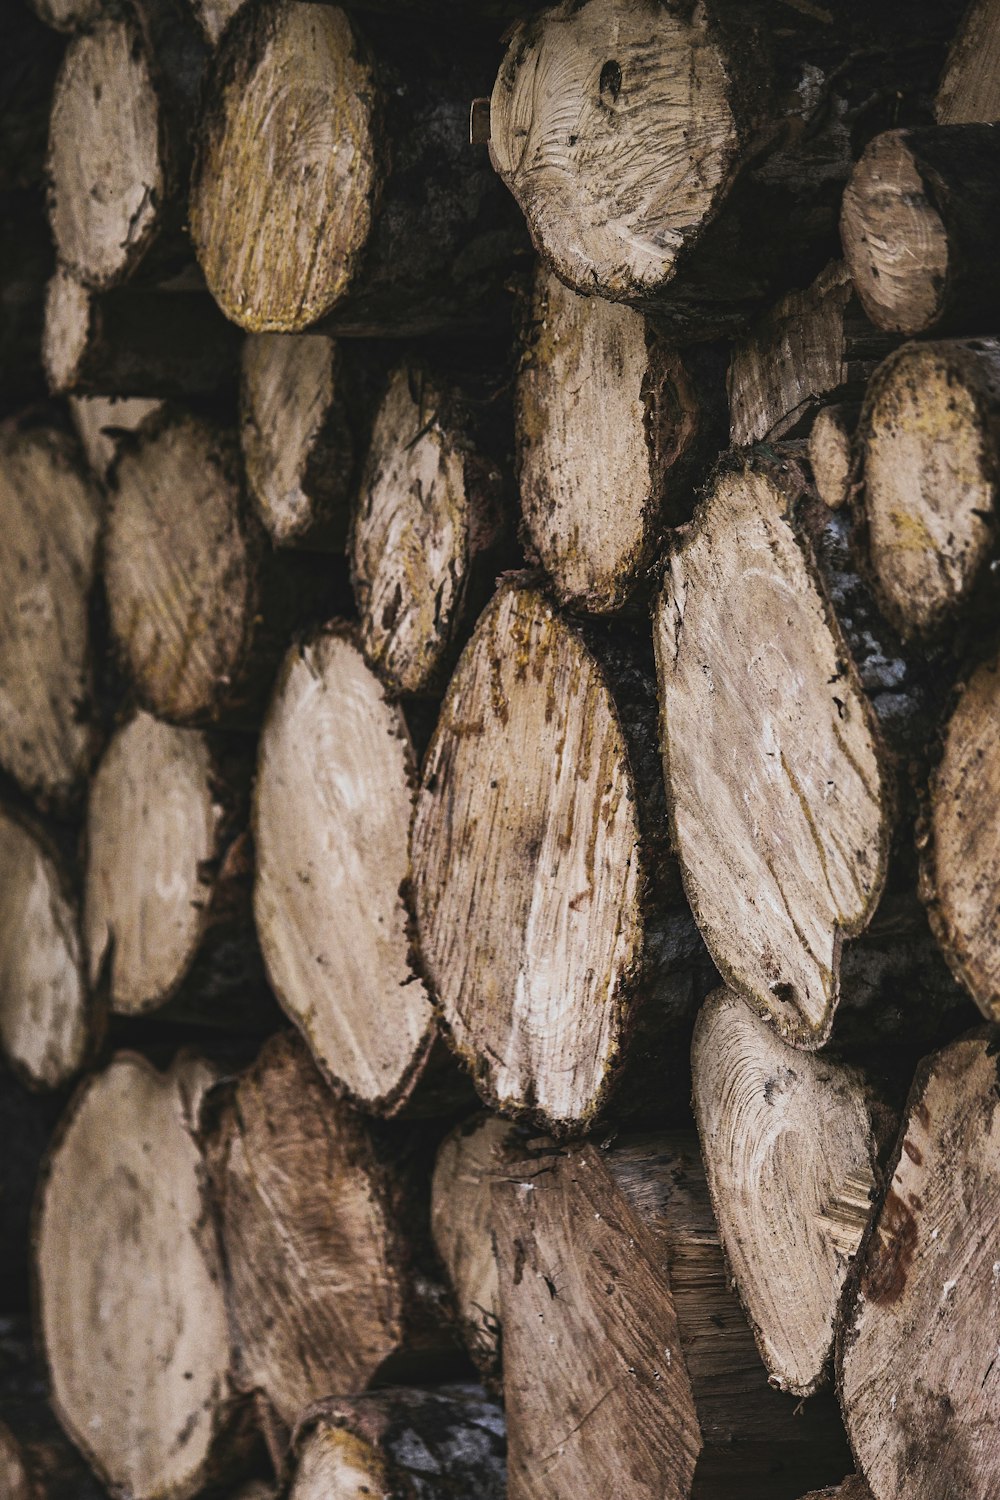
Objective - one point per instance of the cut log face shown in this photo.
(68, 331)
(930, 433)
(919, 1377)
(279, 245)
(780, 810)
(612, 126)
(130, 1284)
(323, 1287)
(429, 505)
(48, 548)
(961, 858)
(333, 805)
(296, 441)
(45, 1021)
(970, 85)
(527, 868)
(790, 1154)
(101, 421)
(461, 1223)
(831, 454)
(605, 415)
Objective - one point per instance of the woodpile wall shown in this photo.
(499, 750)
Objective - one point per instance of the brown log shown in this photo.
(333, 803)
(791, 1146)
(329, 1273)
(627, 1360)
(831, 453)
(541, 872)
(969, 90)
(672, 158)
(445, 1444)
(917, 1362)
(461, 1223)
(920, 219)
(430, 530)
(102, 421)
(129, 1278)
(48, 558)
(613, 429)
(398, 227)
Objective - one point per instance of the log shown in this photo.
(119, 152)
(831, 453)
(133, 341)
(969, 90)
(375, 112)
(167, 906)
(612, 429)
(627, 1360)
(673, 158)
(48, 1024)
(930, 451)
(102, 421)
(917, 1361)
(333, 803)
(541, 872)
(329, 1277)
(461, 1223)
(813, 346)
(129, 1278)
(48, 561)
(791, 1146)
(446, 1444)
(920, 217)
(430, 530)
(296, 435)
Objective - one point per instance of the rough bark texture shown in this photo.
(831, 453)
(969, 90)
(546, 900)
(101, 422)
(352, 196)
(462, 1225)
(918, 1369)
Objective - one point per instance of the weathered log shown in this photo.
(791, 1145)
(541, 871)
(133, 341)
(429, 530)
(969, 90)
(119, 149)
(461, 1223)
(627, 1360)
(813, 345)
(395, 226)
(129, 1278)
(333, 803)
(48, 1025)
(919, 224)
(167, 909)
(930, 449)
(101, 422)
(445, 1444)
(691, 159)
(612, 430)
(917, 1362)
(48, 558)
(329, 1271)
(831, 453)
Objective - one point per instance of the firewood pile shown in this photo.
(499, 750)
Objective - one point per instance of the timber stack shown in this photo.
(499, 755)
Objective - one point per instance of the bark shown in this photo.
(328, 1268)
(102, 421)
(133, 341)
(919, 224)
(831, 453)
(613, 428)
(395, 226)
(917, 1366)
(930, 452)
(813, 346)
(626, 1355)
(129, 1281)
(541, 872)
(48, 561)
(333, 804)
(430, 530)
(969, 90)
(446, 1444)
(691, 160)
(119, 152)
(791, 1145)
